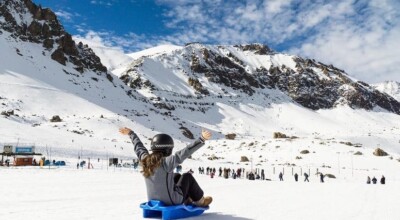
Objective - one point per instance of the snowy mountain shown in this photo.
(390, 87)
(44, 73)
(248, 92)
(253, 70)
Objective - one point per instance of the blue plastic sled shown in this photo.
(157, 209)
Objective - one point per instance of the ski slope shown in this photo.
(68, 193)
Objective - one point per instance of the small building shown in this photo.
(23, 161)
(23, 156)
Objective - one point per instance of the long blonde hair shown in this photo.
(150, 163)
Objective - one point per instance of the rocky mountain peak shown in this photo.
(256, 69)
(257, 48)
(29, 22)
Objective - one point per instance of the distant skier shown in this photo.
(239, 172)
(262, 174)
(306, 177)
(296, 177)
(374, 180)
(161, 183)
(369, 180)
(383, 180)
(280, 176)
(321, 177)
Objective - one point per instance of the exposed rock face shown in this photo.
(244, 159)
(28, 22)
(259, 49)
(304, 152)
(197, 86)
(380, 153)
(56, 118)
(7, 113)
(186, 132)
(310, 83)
(230, 136)
(279, 135)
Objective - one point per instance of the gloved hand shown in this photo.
(125, 131)
(205, 134)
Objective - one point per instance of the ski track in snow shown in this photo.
(31, 86)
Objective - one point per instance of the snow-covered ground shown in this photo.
(115, 193)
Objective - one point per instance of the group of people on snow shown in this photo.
(374, 180)
(257, 174)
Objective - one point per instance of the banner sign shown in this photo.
(23, 149)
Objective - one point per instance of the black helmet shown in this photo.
(162, 143)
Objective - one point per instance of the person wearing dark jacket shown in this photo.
(369, 180)
(383, 180)
(251, 176)
(321, 176)
(161, 183)
(226, 175)
(296, 177)
(280, 176)
(374, 180)
(306, 177)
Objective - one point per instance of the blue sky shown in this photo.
(359, 36)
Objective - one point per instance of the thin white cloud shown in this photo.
(129, 42)
(366, 47)
(358, 36)
(276, 6)
(111, 56)
(99, 2)
(65, 15)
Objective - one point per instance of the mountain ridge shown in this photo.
(308, 82)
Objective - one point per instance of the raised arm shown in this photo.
(140, 150)
(172, 161)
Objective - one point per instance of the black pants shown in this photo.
(189, 186)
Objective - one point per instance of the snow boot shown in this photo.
(204, 201)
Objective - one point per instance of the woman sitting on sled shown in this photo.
(161, 183)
